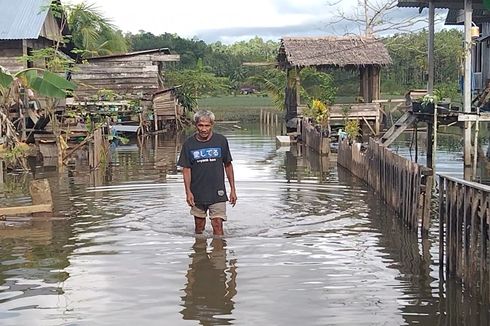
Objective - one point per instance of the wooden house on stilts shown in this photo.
(134, 76)
(26, 25)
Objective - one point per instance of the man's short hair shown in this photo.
(203, 114)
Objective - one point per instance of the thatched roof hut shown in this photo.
(366, 54)
(332, 51)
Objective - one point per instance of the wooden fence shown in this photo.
(401, 183)
(313, 138)
(464, 218)
(269, 117)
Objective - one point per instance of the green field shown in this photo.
(247, 107)
(240, 107)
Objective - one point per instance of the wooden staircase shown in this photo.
(400, 126)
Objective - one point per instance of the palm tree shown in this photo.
(92, 33)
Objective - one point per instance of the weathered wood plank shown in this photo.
(115, 75)
(140, 57)
(22, 210)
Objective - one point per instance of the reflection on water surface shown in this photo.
(307, 244)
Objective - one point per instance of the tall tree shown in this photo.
(373, 17)
(92, 33)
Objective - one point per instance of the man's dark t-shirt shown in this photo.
(206, 159)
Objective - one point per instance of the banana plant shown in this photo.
(40, 81)
(43, 82)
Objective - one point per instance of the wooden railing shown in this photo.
(464, 213)
(401, 183)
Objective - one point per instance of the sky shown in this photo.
(229, 21)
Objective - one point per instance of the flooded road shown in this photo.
(307, 244)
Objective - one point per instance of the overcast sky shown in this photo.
(230, 20)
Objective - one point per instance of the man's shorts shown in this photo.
(216, 210)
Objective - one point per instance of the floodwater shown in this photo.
(306, 244)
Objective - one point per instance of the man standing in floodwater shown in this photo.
(206, 157)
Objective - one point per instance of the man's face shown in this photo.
(204, 128)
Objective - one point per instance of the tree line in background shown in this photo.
(218, 68)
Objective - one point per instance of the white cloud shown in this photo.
(228, 20)
(188, 18)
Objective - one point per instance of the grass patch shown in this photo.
(239, 107)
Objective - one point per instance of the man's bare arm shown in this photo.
(186, 172)
(231, 179)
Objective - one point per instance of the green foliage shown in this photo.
(106, 95)
(6, 78)
(92, 33)
(188, 101)
(190, 50)
(15, 154)
(409, 54)
(317, 85)
(273, 81)
(197, 82)
(447, 90)
(352, 128)
(319, 111)
(314, 85)
(44, 82)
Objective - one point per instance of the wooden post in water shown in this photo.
(1, 172)
(468, 13)
(41, 192)
(261, 114)
(430, 140)
(475, 144)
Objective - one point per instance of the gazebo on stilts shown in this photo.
(364, 54)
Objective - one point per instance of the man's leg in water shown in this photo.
(200, 215)
(217, 224)
(200, 223)
(217, 213)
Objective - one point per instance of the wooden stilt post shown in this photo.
(468, 11)
(42, 201)
(430, 152)
(430, 82)
(416, 142)
(475, 144)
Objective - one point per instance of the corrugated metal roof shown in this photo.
(130, 54)
(455, 16)
(446, 4)
(22, 19)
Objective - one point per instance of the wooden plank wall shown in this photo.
(464, 218)
(165, 106)
(134, 77)
(10, 51)
(400, 182)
